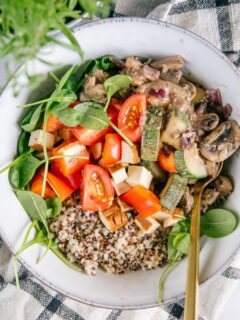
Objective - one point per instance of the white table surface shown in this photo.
(231, 310)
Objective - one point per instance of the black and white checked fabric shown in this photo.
(219, 22)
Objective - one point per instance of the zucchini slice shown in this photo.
(173, 191)
(177, 122)
(189, 164)
(151, 133)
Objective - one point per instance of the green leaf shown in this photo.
(114, 84)
(54, 206)
(90, 115)
(217, 223)
(23, 142)
(22, 172)
(34, 205)
(181, 242)
(59, 254)
(31, 121)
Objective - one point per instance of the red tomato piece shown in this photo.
(145, 202)
(89, 137)
(112, 149)
(73, 180)
(97, 189)
(69, 165)
(37, 183)
(62, 189)
(53, 124)
(130, 120)
(166, 161)
(96, 150)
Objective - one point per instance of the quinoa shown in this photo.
(83, 238)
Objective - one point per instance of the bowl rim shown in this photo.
(222, 268)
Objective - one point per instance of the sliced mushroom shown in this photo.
(206, 122)
(220, 189)
(93, 91)
(209, 197)
(224, 186)
(170, 68)
(212, 167)
(140, 73)
(222, 142)
(168, 63)
(162, 93)
(187, 200)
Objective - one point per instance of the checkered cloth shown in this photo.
(218, 21)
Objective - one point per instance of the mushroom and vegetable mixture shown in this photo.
(107, 163)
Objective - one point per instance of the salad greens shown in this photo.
(215, 223)
(17, 18)
(32, 119)
(89, 115)
(114, 84)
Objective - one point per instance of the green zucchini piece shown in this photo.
(151, 133)
(173, 191)
(177, 123)
(189, 164)
(159, 175)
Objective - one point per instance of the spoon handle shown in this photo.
(191, 297)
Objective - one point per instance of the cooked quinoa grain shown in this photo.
(85, 240)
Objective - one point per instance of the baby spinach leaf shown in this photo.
(217, 223)
(34, 205)
(22, 172)
(114, 84)
(23, 142)
(90, 115)
(59, 254)
(181, 242)
(31, 121)
(54, 206)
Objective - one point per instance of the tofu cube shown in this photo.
(139, 175)
(174, 218)
(118, 173)
(124, 206)
(113, 218)
(162, 214)
(147, 225)
(129, 154)
(121, 188)
(36, 140)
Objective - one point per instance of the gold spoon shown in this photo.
(191, 296)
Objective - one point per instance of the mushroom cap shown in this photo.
(222, 142)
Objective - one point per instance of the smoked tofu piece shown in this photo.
(174, 218)
(118, 173)
(124, 206)
(121, 188)
(139, 175)
(147, 225)
(129, 154)
(113, 218)
(162, 214)
(36, 140)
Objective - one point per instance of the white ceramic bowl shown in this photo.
(122, 37)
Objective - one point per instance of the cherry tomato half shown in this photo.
(74, 179)
(97, 190)
(89, 137)
(130, 120)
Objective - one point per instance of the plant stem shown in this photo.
(169, 268)
(54, 77)
(36, 103)
(107, 104)
(121, 133)
(16, 272)
(67, 156)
